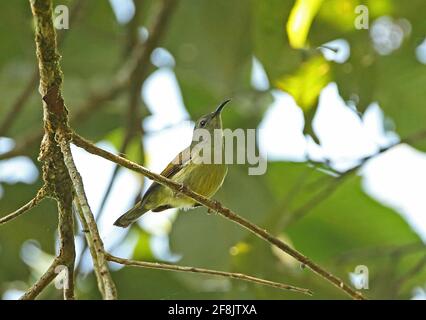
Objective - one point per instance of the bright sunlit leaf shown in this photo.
(307, 82)
(300, 20)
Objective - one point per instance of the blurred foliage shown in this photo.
(213, 43)
(308, 81)
(300, 21)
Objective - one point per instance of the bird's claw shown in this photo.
(180, 190)
(216, 204)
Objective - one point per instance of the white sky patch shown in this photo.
(161, 248)
(96, 173)
(340, 130)
(280, 132)
(162, 58)
(342, 52)
(387, 34)
(421, 52)
(259, 79)
(12, 294)
(33, 256)
(162, 95)
(126, 248)
(143, 33)
(18, 169)
(6, 144)
(373, 120)
(124, 10)
(397, 178)
(419, 293)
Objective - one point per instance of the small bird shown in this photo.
(200, 177)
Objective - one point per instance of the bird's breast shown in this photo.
(204, 179)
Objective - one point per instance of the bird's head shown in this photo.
(211, 120)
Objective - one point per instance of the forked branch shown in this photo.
(218, 207)
(232, 275)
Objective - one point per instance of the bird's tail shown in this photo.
(130, 216)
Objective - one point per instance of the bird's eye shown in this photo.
(202, 123)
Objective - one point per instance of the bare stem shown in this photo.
(137, 64)
(217, 207)
(18, 105)
(41, 194)
(43, 281)
(99, 259)
(239, 276)
(91, 246)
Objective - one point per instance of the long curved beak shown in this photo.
(219, 109)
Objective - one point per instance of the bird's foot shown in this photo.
(180, 191)
(183, 188)
(216, 204)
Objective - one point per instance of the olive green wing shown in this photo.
(172, 168)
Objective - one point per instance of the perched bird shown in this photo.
(187, 170)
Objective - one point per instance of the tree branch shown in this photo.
(142, 53)
(381, 252)
(57, 183)
(91, 246)
(332, 186)
(59, 172)
(67, 246)
(138, 63)
(41, 194)
(239, 276)
(314, 201)
(217, 207)
(65, 258)
(411, 273)
(26, 93)
(101, 263)
(43, 281)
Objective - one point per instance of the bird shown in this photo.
(186, 169)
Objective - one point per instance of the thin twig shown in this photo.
(67, 245)
(217, 207)
(30, 87)
(418, 267)
(316, 199)
(239, 276)
(132, 28)
(91, 246)
(332, 186)
(43, 281)
(380, 252)
(18, 104)
(108, 284)
(41, 194)
(136, 78)
(65, 258)
(56, 179)
(137, 63)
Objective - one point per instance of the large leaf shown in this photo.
(300, 21)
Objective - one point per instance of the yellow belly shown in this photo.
(204, 179)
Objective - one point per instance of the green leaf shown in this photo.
(307, 82)
(270, 42)
(300, 20)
